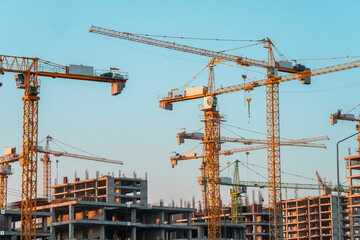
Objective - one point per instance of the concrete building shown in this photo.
(112, 208)
(10, 225)
(229, 230)
(353, 167)
(315, 218)
(257, 222)
(74, 219)
(105, 189)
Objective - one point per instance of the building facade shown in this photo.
(315, 218)
(105, 189)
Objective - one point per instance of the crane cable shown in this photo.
(252, 170)
(353, 108)
(54, 141)
(232, 132)
(232, 49)
(292, 174)
(254, 131)
(195, 38)
(191, 80)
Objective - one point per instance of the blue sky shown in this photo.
(130, 127)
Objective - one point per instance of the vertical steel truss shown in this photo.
(273, 156)
(29, 164)
(212, 146)
(204, 187)
(46, 175)
(236, 201)
(3, 185)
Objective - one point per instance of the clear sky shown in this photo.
(130, 127)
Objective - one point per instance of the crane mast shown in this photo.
(28, 70)
(211, 149)
(273, 150)
(236, 201)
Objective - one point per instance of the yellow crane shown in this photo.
(5, 170)
(273, 140)
(305, 142)
(346, 117)
(28, 70)
(47, 163)
(200, 136)
(212, 118)
(300, 143)
(323, 183)
(11, 156)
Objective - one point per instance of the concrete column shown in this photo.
(71, 231)
(133, 215)
(52, 220)
(44, 223)
(189, 219)
(169, 217)
(200, 232)
(162, 217)
(102, 232)
(103, 214)
(189, 235)
(71, 225)
(162, 234)
(171, 235)
(189, 223)
(71, 212)
(133, 233)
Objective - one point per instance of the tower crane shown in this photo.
(347, 117)
(212, 118)
(200, 136)
(27, 71)
(47, 163)
(238, 186)
(323, 183)
(305, 142)
(13, 157)
(236, 200)
(5, 171)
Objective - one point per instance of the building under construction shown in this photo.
(312, 218)
(353, 167)
(315, 218)
(114, 208)
(256, 220)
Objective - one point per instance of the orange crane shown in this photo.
(326, 190)
(11, 156)
(200, 136)
(5, 171)
(347, 117)
(28, 70)
(47, 163)
(299, 142)
(212, 118)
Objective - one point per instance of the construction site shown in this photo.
(131, 166)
